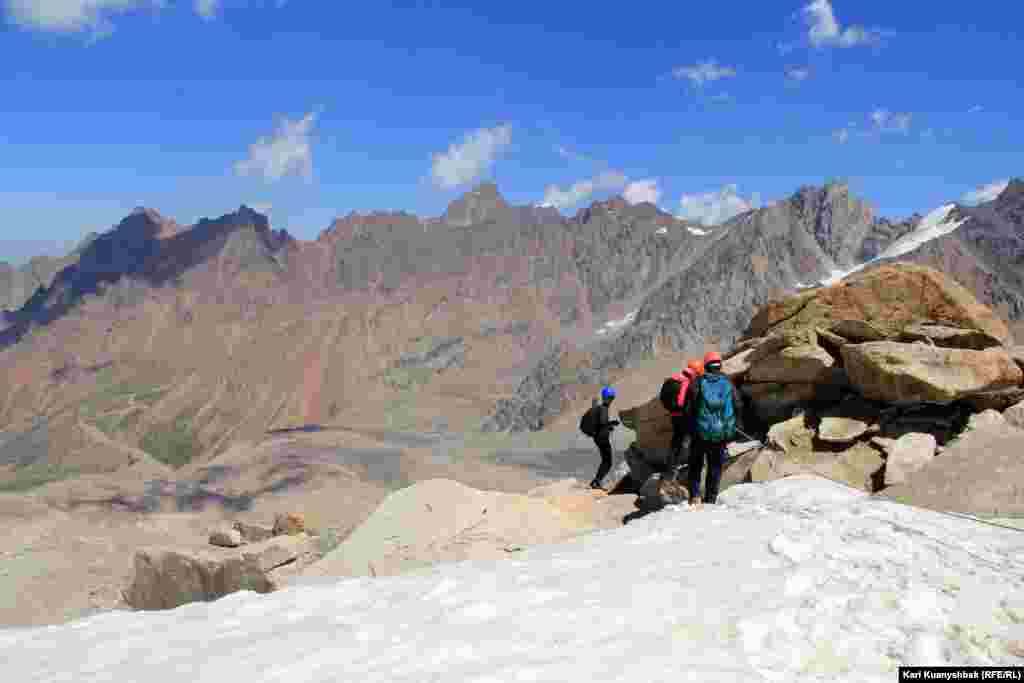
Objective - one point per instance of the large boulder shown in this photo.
(949, 336)
(897, 372)
(652, 424)
(858, 466)
(169, 577)
(908, 454)
(888, 298)
(1014, 415)
(806, 363)
(847, 422)
(980, 474)
(795, 435)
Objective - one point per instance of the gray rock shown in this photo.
(253, 533)
(988, 419)
(1014, 415)
(950, 337)
(805, 364)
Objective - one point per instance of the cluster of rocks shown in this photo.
(863, 382)
(242, 556)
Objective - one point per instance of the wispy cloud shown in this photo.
(640, 191)
(976, 109)
(207, 9)
(712, 208)
(92, 17)
(583, 189)
(985, 193)
(704, 72)
(570, 154)
(824, 30)
(891, 122)
(797, 74)
(287, 151)
(842, 136)
(467, 160)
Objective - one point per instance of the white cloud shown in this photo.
(824, 28)
(287, 151)
(73, 16)
(583, 189)
(464, 162)
(975, 109)
(887, 121)
(798, 73)
(207, 9)
(985, 193)
(712, 208)
(704, 72)
(642, 191)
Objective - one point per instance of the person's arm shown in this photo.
(737, 407)
(689, 404)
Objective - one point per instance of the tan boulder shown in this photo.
(1017, 354)
(289, 524)
(1000, 399)
(858, 466)
(980, 474)
(908, 454)
(847, 422)
(896, 372)
(168, 577)
(805, 364)
(1014, 415)
(792, 435)
(888, 298)
(254, 533)
(988, 419)
(226, 538)
(949, 336)
(859, 331)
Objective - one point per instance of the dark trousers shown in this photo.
(679, 444)
(715, 455)
(604, 447)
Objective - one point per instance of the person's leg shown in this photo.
(604, 447)
(675, 460)
(695, 467)
(716, 460)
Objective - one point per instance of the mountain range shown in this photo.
(181, 340)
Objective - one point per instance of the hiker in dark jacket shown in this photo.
(602, 436)
(713, 410)
(680, 429)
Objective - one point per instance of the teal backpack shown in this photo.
(715, 416)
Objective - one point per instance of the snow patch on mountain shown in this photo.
(799, 580)
(934, 225)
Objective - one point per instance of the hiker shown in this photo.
(597, 425)
(673, 397)
(712, 410)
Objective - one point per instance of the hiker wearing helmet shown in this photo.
(597, 425)
(712, 410)
(673, 397)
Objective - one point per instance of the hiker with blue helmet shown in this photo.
(713, 410)
(596, 423)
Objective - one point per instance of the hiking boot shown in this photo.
(597, 486)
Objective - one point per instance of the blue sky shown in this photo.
(315, 109)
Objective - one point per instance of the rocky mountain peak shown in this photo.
(481, 204)
(838, 221)
(1014, 191)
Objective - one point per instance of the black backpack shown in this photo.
(669, 395)
(588, 423)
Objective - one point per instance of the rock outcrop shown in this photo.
(240, 557)
(858, 385)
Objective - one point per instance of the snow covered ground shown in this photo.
(934, 225)
(797, 580)
(698, 231)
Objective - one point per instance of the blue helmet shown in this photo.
(607, 392)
